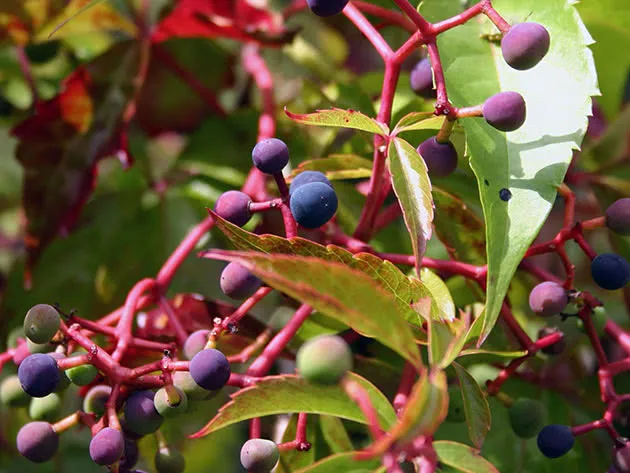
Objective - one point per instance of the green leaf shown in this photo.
(337, 291)
(440, 293)
(462, 457)
(413, 189)
(339, 118)
(610, 146)
(479, 355)
(418, 121)
(405, 290)
(287, 393)
(531, 161)
(440, 337)
(342, 462)
(338, 166)
(335, 434)
(475, 406)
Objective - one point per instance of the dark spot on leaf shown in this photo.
(505, 194)
(486, 182)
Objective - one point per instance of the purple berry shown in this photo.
(270, 156)
(440, 158)
(524, 45)
(421, 79)
(210, 369)
(313, 204)
(237, 282)
(327, 8)
(107, 446)
(505, 111)
(141, 417)
(621, 459)
(610, 271)
(37, 441)
(618, 216)
(548, 298)
(195, 342)
(233, 206)
(131, 454)
(39, 375)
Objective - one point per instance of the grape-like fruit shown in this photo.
(505, 111)
(64, 381)
(259, 455)
(421, 79)
(45, 408)
(169, 460)
(313, 204)
(107, 446)
(456, 412)
(141, 417)
(307, 177)
(237, 282)
(555, 440)
(210, 369)
(41, 323)
(131, 455)
(621, 459)
(82, 375)
(271, 155)
(324, 359)
(610, 271)
(327, 8)
(37, 441)
(524, 45)
(164, 406)
(12, 394)
(440, 158)
(95, 399)
(558, 347)
(184, 381)
(527, 417)
(39, 375)
(195, 342)
(548, 298)
(39, 347)
(618, 216)
(233, 206)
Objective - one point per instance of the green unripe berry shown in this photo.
(184, 381)
(169, 460)
(173, 406)
(324, 359)
(259, 455)
(95, 399)
(12, 394)
(39, 347)
(527, 417)
(456, 412)
(12, 338)
(82, 375)
(41, 323)
(45, 408)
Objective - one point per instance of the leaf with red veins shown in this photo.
(61, 144)
(234, 19)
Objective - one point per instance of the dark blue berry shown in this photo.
(271, 155)
(141, 417)
(306, 177)
(326, 7)
(610, 271)
(313, 204)
(555, 440)
(39, 375)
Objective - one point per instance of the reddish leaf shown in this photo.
(235, 19)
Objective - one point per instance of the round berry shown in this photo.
(259, 455)
(64, 381)
(313, 204)
(237, 282)
(556, 348)
(327, 8)
(184, 381)
(131, 455)
(621, 459)
(524, 45)
(39, 375)
(39, 347)
(195, 342)
(421, 79)
(324, 359)
(210, 369)
(233, 206)
(12, 394)
(555, 440)
(618, 216)
(456, 412)
(41, 323)
(271, 155)
(505, 111)
(140, 414)
(37, 441)
(440, 158)
(169, 460)
(610, 271)
(107, 446)
(170, 407)
(82, 375)
(307, 177)
(95, 399)
(527, 417)
(548, 298)
(45, 408)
